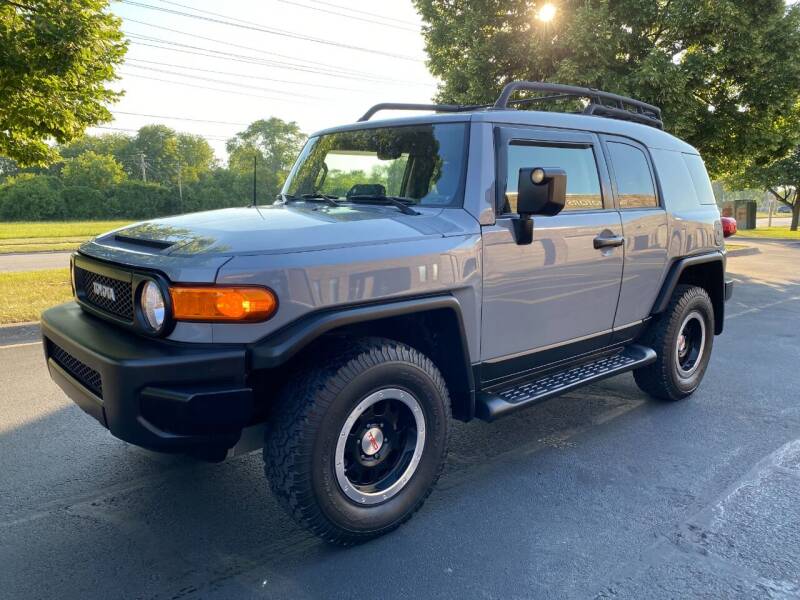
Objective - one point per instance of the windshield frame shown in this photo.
(457, 200)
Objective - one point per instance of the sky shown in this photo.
(319, 63)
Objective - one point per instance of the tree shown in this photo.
(781, 178)
(726, 73)
(195, 155)
(96, 171)
(157, 147)
(56, 60)
(115, 144)
(168, 155)
(274, 144)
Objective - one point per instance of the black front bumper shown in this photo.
(153, 393)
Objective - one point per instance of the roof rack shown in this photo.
(601, 104)
(642, 112)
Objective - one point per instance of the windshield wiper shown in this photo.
(400, 203)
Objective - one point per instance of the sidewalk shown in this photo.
(34, 261)
(19, 333)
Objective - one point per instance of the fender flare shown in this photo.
(277, 348)
(674, 275)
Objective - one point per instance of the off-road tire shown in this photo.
(661, 379)
(304, 429)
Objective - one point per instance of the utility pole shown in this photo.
(144, 166)
(771, 208)
(255, 167)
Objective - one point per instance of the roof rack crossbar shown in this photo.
(449, 108)
(444, 108)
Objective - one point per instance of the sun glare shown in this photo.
(547, 13)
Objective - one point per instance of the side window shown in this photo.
(702, 184)
(583, 182)
(634, 182)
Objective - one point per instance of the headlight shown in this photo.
(153, 306)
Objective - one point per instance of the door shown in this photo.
(645, 228)
(556, 297)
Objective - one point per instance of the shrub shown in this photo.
(84, 203)
(33, 197)
(139, 200)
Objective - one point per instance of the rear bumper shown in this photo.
(728, 289)
(153, 393)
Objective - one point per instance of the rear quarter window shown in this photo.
(677, 184)
(699, 175)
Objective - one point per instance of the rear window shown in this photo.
(700, 180)
(635, 187)
(676, 182)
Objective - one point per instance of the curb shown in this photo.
(749, 251)
(20, 333)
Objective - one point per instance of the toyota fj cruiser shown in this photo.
(471, 262)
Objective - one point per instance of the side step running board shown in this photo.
(491, 405)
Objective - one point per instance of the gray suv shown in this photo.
(465, 264)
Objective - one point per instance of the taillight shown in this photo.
(728, 226)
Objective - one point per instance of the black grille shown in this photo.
(85, 374)
(120, 303)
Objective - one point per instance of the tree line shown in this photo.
(158, 171)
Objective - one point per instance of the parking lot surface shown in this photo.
(600, 493)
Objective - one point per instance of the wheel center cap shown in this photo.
(372, 441)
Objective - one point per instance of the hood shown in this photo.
(273, 230)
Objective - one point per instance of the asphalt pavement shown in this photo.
(602, 493)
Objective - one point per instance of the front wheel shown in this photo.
(682, 337)
(358, 441)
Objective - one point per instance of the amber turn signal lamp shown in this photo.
(222, 303)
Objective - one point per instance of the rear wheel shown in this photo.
(682, 337)
(358, 442)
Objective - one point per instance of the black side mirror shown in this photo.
(540, 191)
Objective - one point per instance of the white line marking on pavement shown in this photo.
(760, 308)
(20, 345)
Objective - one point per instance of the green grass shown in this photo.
(50, 236)
(780, 233)
(23, 296)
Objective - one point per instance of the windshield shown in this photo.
(421, 164)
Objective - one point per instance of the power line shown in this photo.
(247, 75)
(338, 13)
(212, 53)
(122, 112)
(213, 89)
(272, 31)
(355, 10)
(226, 82)
(294, 60)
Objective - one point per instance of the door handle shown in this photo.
(608, 242)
